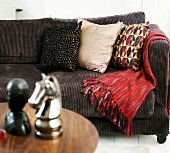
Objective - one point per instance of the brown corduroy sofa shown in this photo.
(20, 51)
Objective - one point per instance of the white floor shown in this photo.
(106, 143)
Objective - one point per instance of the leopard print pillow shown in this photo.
(60, 49)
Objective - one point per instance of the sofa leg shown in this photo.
(161, 139)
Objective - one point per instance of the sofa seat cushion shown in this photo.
(27, 72)
(21, 40)
(72, 98)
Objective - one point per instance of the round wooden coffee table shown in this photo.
(79, 135)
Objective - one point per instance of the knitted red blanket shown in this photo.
(120, 94)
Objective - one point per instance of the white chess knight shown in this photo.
(46, 99)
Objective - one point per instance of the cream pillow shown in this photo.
(96, 44)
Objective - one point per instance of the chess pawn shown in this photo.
(16, 121)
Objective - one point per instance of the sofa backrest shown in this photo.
(129, 18)
(21, 40)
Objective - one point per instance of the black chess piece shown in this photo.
(16, 121)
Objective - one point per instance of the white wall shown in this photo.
(89, 8)
(157, 11)
(31, 8)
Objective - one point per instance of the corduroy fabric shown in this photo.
(120, 94)
(71, 86)
(153, 26)
(146, 109)
(158, 52)
(157, 124)
(21, 40)
(129, 18)
(72, 98)
(28, 72)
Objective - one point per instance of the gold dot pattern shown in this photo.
(60, 48)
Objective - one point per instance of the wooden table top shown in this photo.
(79, 135)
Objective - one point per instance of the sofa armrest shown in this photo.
(159, 61)
(154, 26)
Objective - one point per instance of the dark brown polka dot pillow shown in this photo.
(60, 49)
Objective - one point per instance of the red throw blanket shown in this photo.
(120, 94)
